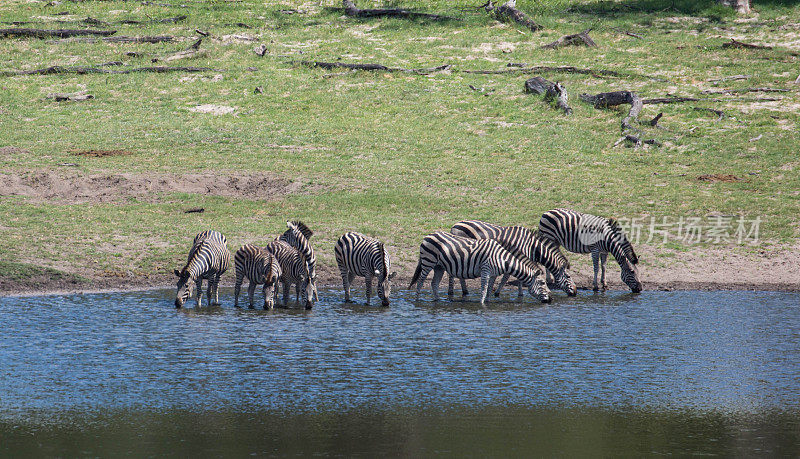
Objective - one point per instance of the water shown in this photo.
(612, 374)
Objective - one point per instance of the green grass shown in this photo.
(395, 155)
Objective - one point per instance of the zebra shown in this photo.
(584, 233)
(471, 258)
(359, 255)
(517, 239)
(297, 235)
(208, 259)
(259, 266)
(294, 270)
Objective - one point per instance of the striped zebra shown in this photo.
(517, 239)
(259, 266)
(294, 270)
(472, 258)
(359, 255)
(584, 233)
(208, 259)
(297, 235)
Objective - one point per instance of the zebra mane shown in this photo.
(560, 259)
(383, 257)
(305, 230)
(619, 236)
(523, 258)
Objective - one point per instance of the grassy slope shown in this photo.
(394, 155)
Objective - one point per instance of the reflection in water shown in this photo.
(609, 374)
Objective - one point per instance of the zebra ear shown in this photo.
(177, 273)
(613, 223)
(391, 276)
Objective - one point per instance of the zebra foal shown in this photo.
(359, 255)
(585, 233)
(472, 258)
(208, 259)
(259, 266)
(517, 239)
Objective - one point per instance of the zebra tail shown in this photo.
(417, 272)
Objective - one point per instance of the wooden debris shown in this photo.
(155, 21)
(123, 39)
(258, 90)
(719, 178)
(352, 10)
(191, 51)
(552, 92)
(577, 39)
(739, 45)
(95, 22)
(101, 153)
(729, 78)
(373, 67)
(195, 210)
(260, 50)
(508, 10)
(636, 141)
(654, 121)
(669, 100)
(76, 96)
(57, 69)
(541, 69)
(720, 114)
(61, 33)
(745, 90)
(611, 99)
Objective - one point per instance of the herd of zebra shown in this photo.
(472, 249)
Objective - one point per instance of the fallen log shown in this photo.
(76, 96)
(577, 39)
(352, 10)
(552, 92)
(744, 90)
(637, 142)
(57, 69)
(508, 10)
(45, 33)
(372, 67)
(172, 20)
(611, 99)
(739, 45)
(122, 39)
(191, 51)
(539, 69)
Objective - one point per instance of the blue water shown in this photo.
(734, 354)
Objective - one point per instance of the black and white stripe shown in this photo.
(467, 258)
(259, 266)
(294, 270)
(518, 239)
(298, 235)
(208, 259)
(584, 233)
(359, 255)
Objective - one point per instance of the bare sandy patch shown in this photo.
(76, 188)
(11, 150)
(213, 109)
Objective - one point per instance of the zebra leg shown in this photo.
(464, 291)
(450, 284)
(486, 279)
(519, 290)
(501, 284)
(286, 286)
(216, 289)
(297, 292)
(438, 272)
(595, 262)
(251, 290)
(603, 260)
(346, 285)
(368, 281)
(422, 275)
(199, 286)
(237, 287)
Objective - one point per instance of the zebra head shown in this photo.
(184, 287)
(630, 275)
(269, 280)
(565, 282)
(384, 277)
(538, 287)
(297, 235)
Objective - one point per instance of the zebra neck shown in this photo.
(521, 271)
(614, 248)
(196, 266)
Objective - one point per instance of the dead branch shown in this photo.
(195, 210)
(172, 20)
(720, 114)
(61, 33)
(352, 10)
(121, 39)
(670, 100)
(745, 90)
(509, 10)
(577, 39)
(611, 99)
(654, 121)
(637, 142)
(76, 96)
(191, 51)
(729, 78)
(739, 45)
(374, 67)
(540, 69)
(57, 69)
(552, 92)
